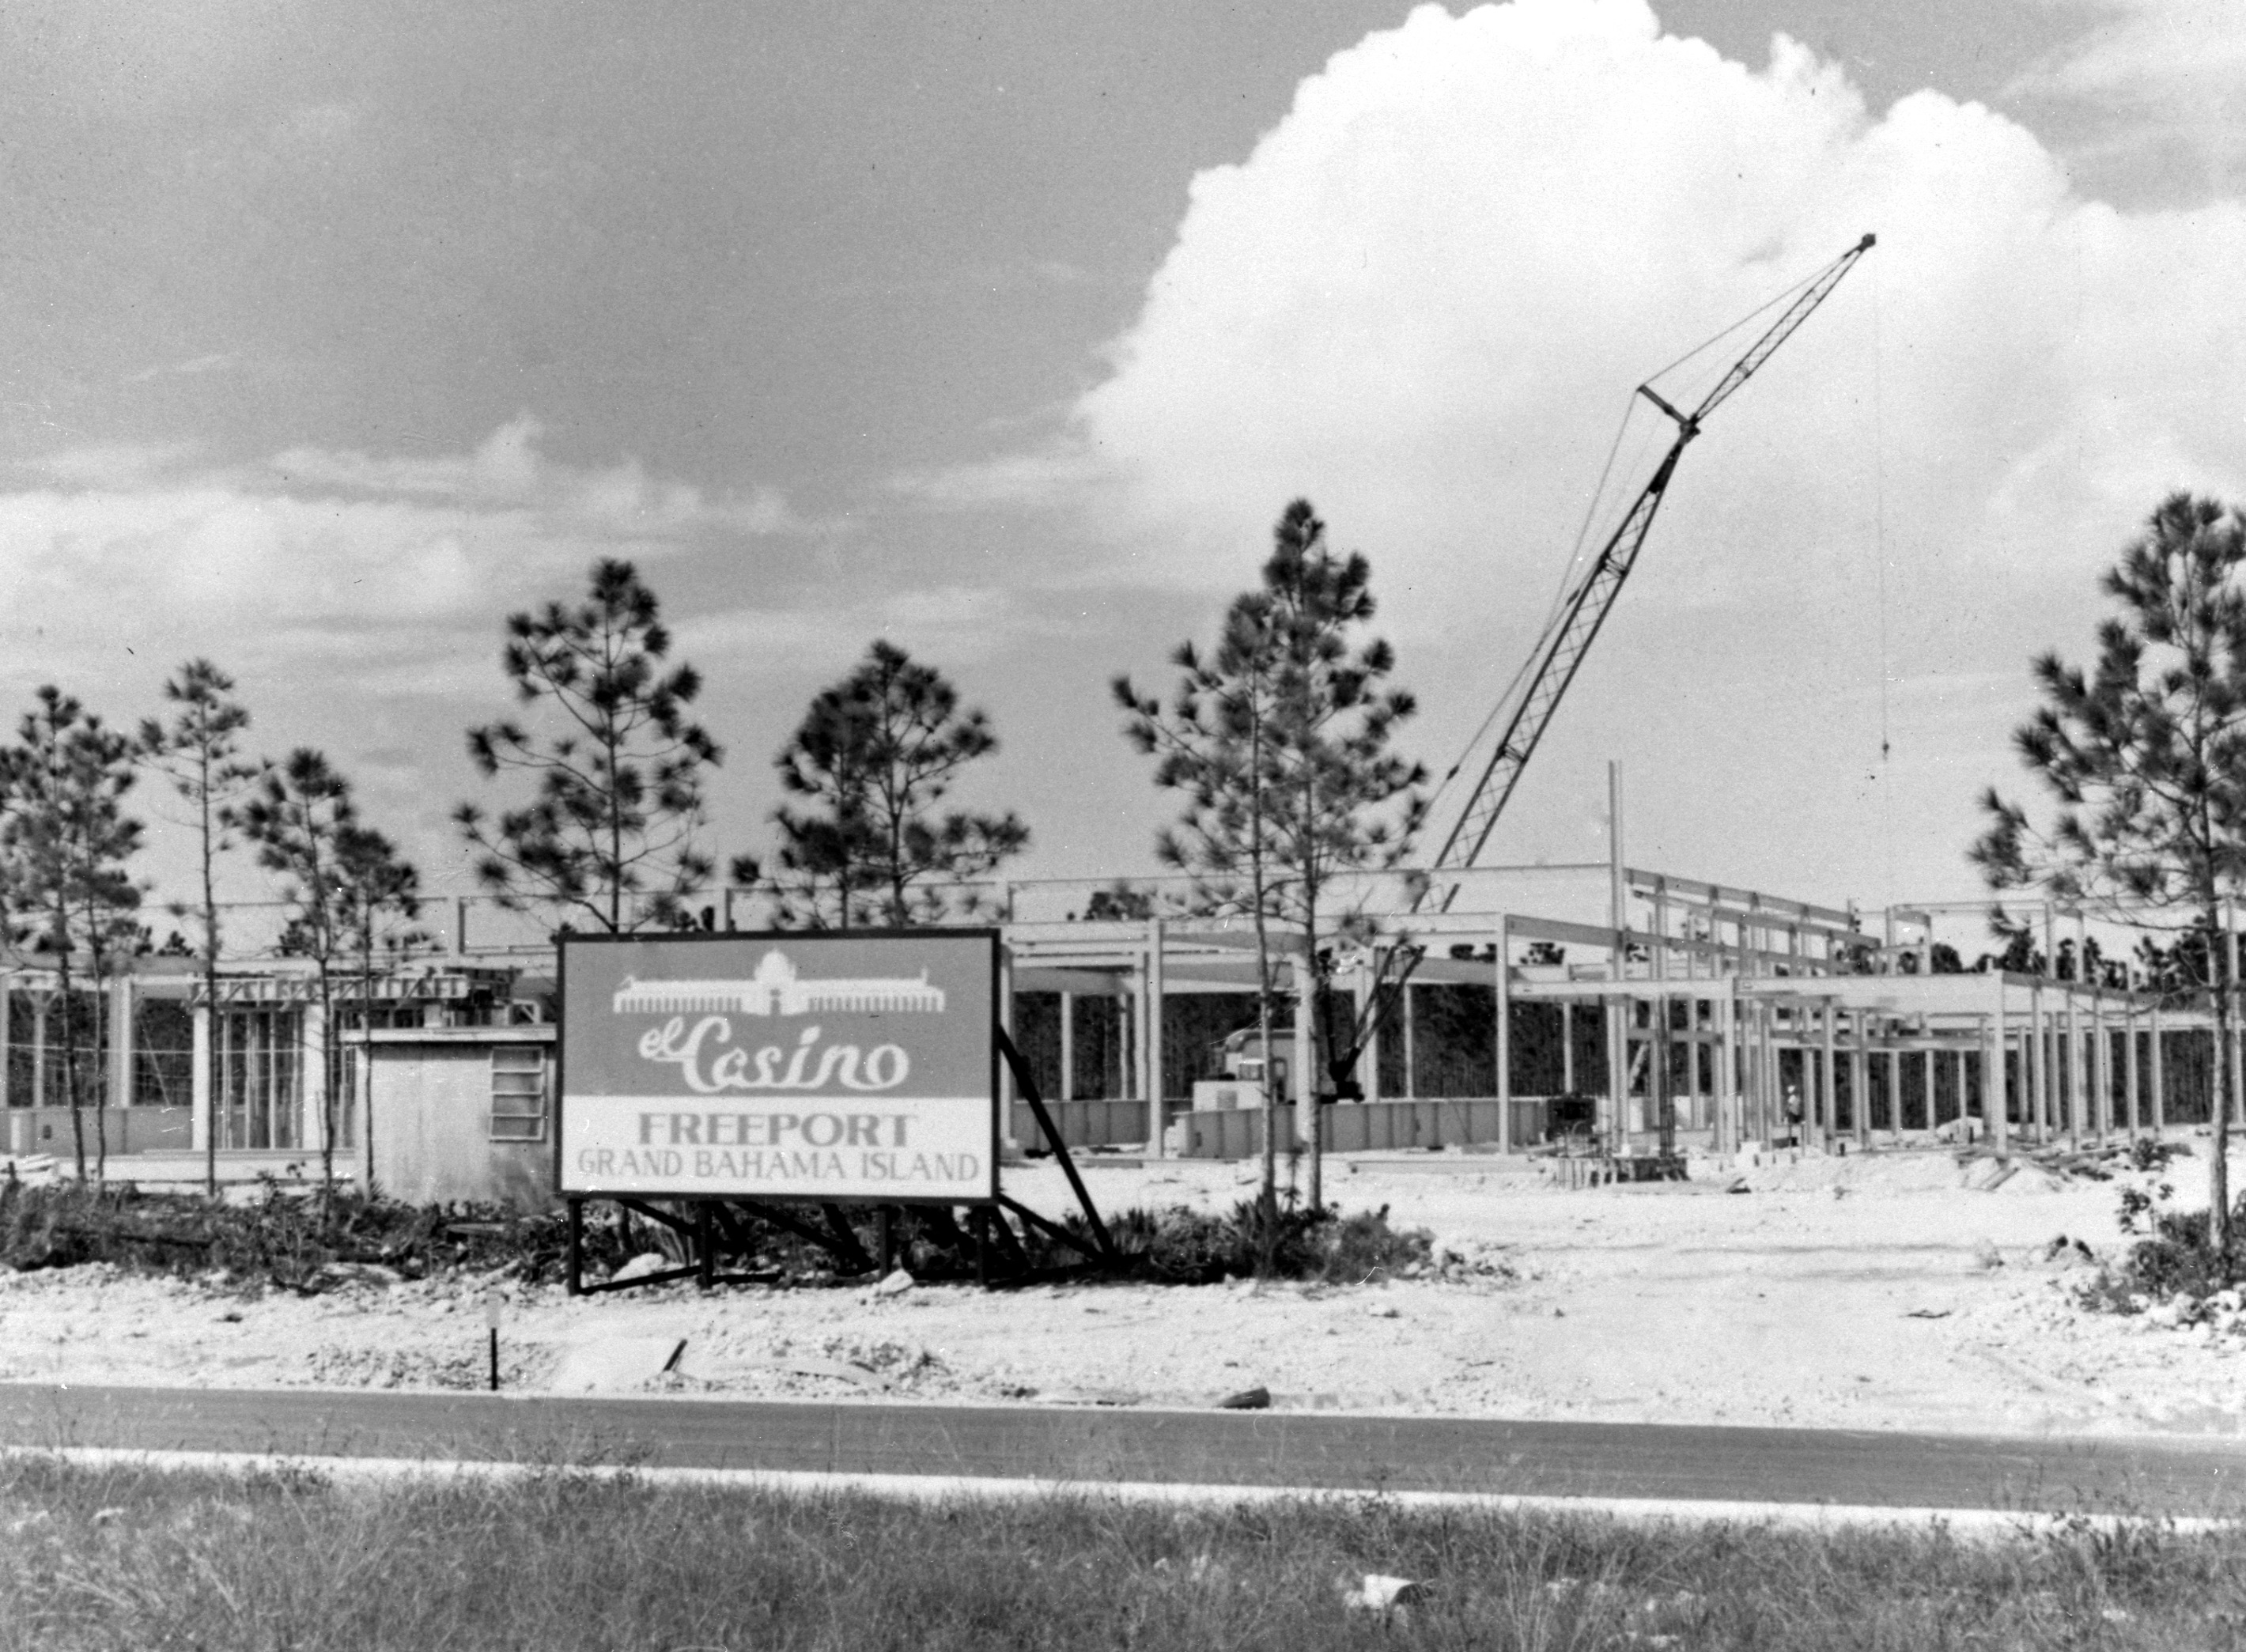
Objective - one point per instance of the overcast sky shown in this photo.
(335, 333)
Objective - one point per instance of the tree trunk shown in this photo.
(326, 1088)
(100, 1110)
(1307, 1055)
(367, 1058)
(69, 1068)
(213, 1074)
(2218, 1166)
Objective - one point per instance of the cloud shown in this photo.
(955, 624)
(2160, 82)
(1425, 297)
(1059, 473)
(112, 465)
(191, 368)
(381, 570)
(2146, 52)
(506, 470)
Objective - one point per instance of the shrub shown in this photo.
(290, 1237)
(295, 1238)
(1301, 1243)
(2177, 1261)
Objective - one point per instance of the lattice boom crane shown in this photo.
(1559, 652)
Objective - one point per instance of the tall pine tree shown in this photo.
(199, 751)
(67, 841)
(1280, 738)
(2144, 761)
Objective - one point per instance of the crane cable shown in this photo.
(1880, 553)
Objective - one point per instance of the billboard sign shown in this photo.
(853, 1065)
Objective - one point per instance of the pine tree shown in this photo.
(2144, 757)
(874, 755)
(609, 835)
(1280, 739)
(67, 841)
(378, 895)
(199, 753)
(300, 817)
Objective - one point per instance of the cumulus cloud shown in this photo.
(1426, 295)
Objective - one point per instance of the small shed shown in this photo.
(457, 1114)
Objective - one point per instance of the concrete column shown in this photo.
(1727, 1131)
(1993, 1083)
(1411, 1008)
(1991, 1065)
(1829, 1087)
(1504, 1036)
(1135, 1086)
(1768, 1089)
(1068, 1046)
(1617, 1123)
(206, 1097)
(1156, 998)
(2158, 1063)
(1567, 1045)
(1305, 1062)
(1126, 1043)
(1933, 1112)
(2103, 1067)
(311, 1133)
(2036, 1080)
(2131, 1076)
(1860, 1085)
(121, 996)
(1750, 1070)
(1957, 1075)
(2078, 1088)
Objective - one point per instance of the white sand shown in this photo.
(1872, 1307)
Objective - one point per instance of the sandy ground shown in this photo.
(1863, 1293)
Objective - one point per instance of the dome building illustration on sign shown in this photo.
(775, 989)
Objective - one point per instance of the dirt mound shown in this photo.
(1872, 1174)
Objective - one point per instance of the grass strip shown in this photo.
(121, 1555)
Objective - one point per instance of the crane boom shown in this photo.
(1559, 653)
(1575, 624)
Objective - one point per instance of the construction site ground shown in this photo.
(1893, 1290)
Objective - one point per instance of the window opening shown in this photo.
(518, 1092)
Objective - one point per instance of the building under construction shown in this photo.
(1684, 1016)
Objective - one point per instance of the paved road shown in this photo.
(1326, 1451)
